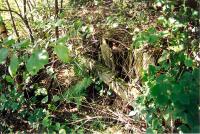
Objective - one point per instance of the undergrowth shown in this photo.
(46, 86)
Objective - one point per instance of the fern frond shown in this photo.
(78, 91)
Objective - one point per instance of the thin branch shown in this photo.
(6, 10)
(30, 9)
(61, 6)
(24, 20)
(31, 4)
(13, 22)
(18, 6)
(56, 18)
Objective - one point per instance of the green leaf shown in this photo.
(56, 98)
(37, 61)
(62, 131)
(162, 100)
(9, 42)
(45, 99)
(153, 38)
(166, 116)
(176, 48)
(23, 44)
(152, 70)
(164, 57)
(41, 91)
(14, 64)
(155, 123)
(78, 91)
(155, 91)
(183, 129)
(63, 40)
(9, 79)
(188, 62)
(3, 54)
(46, 122)
(149, 131)
(62, 52)
(184, 98)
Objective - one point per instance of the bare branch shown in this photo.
(23, 19)
(56, 18)
(13, 22)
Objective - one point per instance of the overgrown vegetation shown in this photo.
(99, 66)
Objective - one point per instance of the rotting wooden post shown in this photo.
(119, 86)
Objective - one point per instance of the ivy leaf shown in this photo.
(155, 91)
(188, 62)
(46, 122)
(62, 52)
(9, 79)
(162, 100)
(45, 99)
(56, 98)
(3, 54)
(14, 64)
(37, 61)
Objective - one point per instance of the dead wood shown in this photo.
(126, 91)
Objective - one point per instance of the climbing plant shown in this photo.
(171, 98)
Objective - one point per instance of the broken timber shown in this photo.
(119, 86)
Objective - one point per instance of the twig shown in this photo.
(24, 20)
(13, 22)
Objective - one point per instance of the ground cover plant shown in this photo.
(99, 66)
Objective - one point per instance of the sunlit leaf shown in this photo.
(56, 98)
(165, 56)
(176, 48)
(9, 79)
(37, 61)
(62, 131)
(45, 99)
(62, 52)
(14, 64)
(46, 122)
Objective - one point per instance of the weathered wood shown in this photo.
(124, 90)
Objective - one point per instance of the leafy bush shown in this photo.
(170, 101)
(171, 98)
